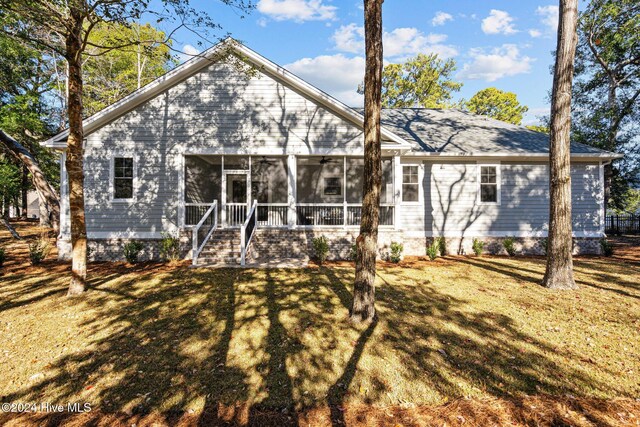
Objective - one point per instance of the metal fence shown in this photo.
(622, 224)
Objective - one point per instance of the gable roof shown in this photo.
(458, 133)
(197, 63)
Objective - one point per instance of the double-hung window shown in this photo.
(490, 184)
(410, 183)
(122, 178)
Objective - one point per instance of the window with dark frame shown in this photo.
(123, 178)
(489, 184)
(410, 184)
(332, 186)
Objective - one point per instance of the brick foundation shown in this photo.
(282, 245)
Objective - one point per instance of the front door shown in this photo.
(237, 198)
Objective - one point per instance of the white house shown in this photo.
(257, 161)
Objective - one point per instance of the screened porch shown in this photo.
(291, 191)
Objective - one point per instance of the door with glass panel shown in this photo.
(237, 198)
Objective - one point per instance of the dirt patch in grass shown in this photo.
(467, 337)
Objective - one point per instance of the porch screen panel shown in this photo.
(203, 179)
(320, 181)
(355, 174)
(269, 179)
(203, 185)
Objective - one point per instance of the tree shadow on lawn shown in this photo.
(591, 269)
(234, 345)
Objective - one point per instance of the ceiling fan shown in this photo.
(324, 160)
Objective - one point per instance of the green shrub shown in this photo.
(396, 252)
(432, 250)
(321, 248)
(509, 245)
(38, 250)
(478, 247)
(544, 244)
(442, 245)
(2, 256)
(132, 250)
(170, 247)
(606, 246)
(353, 252)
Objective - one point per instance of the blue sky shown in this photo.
(506, 44)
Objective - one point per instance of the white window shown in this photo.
(332, 186)
(410, 184)
(122, 178)
(489, 184)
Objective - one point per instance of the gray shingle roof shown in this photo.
(459, 132)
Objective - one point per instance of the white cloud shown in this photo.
(441, 18)
(349, 38)
(549, 17)
(188, 51)
(411, 41)
(498, 22)
(535, 33)
(262, 22)
(297, 10)
(399, 43)
(335, 74)
(498, 63)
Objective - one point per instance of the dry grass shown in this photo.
(473, 341)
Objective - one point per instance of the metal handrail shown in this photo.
(244, 240)
(196, 249)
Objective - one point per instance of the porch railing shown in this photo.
(354, 214)
(336, 215)
(203, 230)
(236, 213)
(272, 214)
(193, 212)
(247, 231)
(326, 214)
(276, 214)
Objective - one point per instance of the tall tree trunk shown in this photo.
(24, 189)
(9, 227)
(45, 191)
(75, 155)
(363, 308)
(559, 272)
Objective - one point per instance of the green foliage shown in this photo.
(38, 250)
(432, 250)
(422, 81)
(606, 247)
(539, 128)
(509, 244)
(497, 104)
(3, 255)
(10, 179)
(606, 91)
(544, 244)
(442, 245)
(396, 252)
(628, 202)
(113, 75)
(353, 252)
(478, 246)
(132, 251)
(26, 111)
(320, 248)
(170, 247)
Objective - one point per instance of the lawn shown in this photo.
(477, 338)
